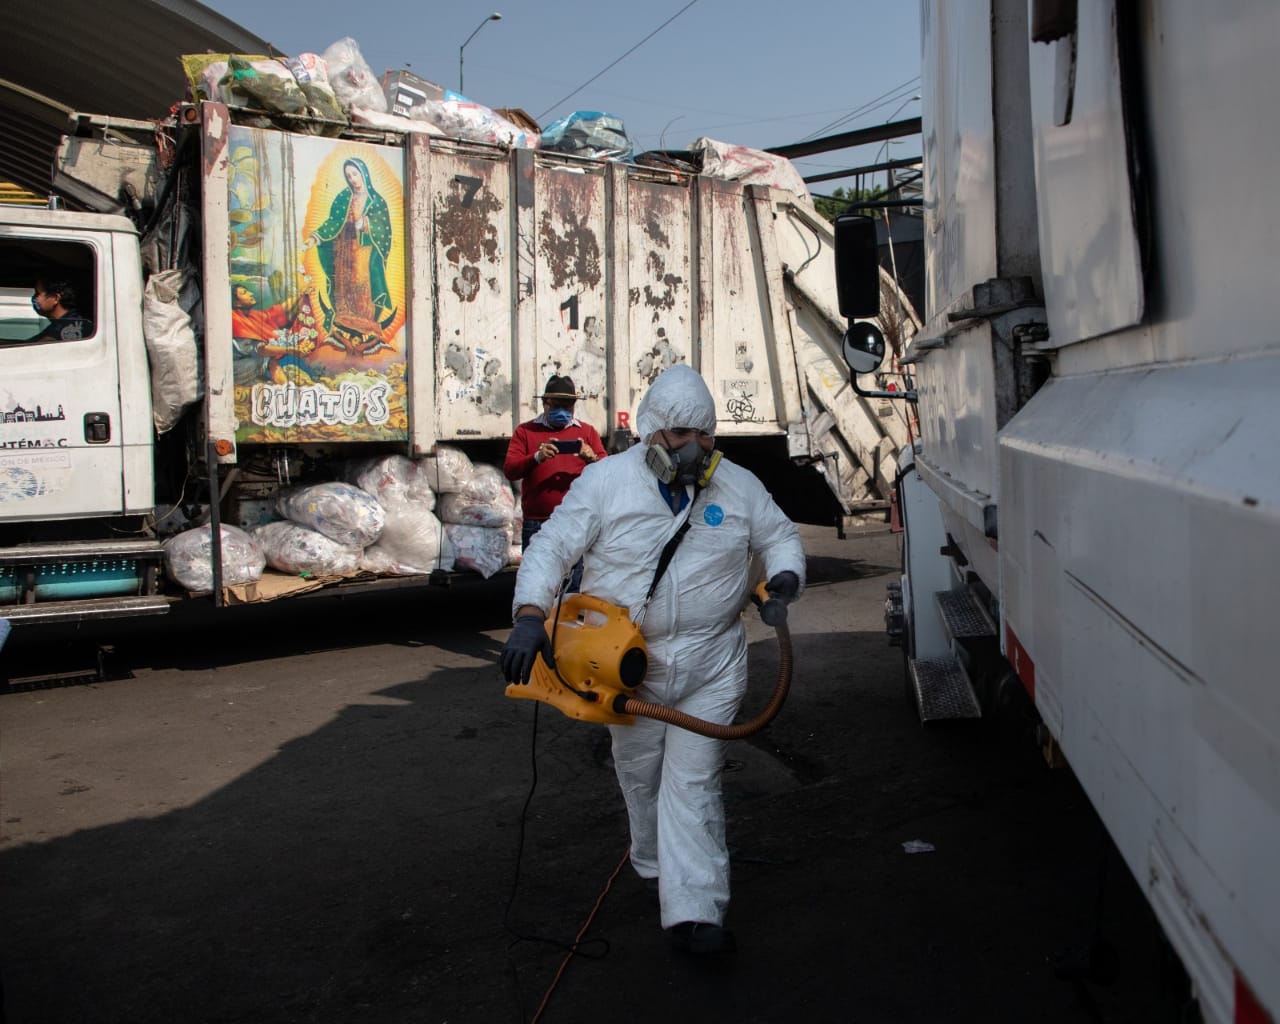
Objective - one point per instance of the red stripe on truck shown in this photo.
(1020, 660)
(1248, 1009)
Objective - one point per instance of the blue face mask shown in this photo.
(559, 418)
(35, 304)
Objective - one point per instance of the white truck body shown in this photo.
(499, 267)
(1097, 379)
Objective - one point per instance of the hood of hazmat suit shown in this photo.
(617, 520)
(678, 398)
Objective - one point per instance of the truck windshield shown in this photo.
(64, 273)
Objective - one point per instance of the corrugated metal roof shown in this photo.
(16, 195)
(118, 58)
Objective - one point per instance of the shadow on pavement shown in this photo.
(364, 872)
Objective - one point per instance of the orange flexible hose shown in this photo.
(581, 932)
(646, 709)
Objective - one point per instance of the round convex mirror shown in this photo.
(863, 347)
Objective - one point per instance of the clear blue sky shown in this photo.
(756, 73)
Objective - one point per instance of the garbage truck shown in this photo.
(1091, 509)
(258, 305)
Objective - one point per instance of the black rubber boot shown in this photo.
(698, 937)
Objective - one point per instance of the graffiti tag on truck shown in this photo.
(739, 401)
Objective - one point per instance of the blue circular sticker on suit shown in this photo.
(713, 515)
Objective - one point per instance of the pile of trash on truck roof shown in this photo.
(331, 92)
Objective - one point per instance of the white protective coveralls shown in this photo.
(617, 519)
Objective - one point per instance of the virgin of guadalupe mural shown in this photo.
(353, 245)
(316, 261)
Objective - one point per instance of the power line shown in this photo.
(883, 100)
(618, 61)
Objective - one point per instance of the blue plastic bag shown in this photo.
(589, 133)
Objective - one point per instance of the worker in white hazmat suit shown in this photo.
(618, 516)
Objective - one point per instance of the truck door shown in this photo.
(60, 432)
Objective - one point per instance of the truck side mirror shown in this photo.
(857, 267)
(863, 347)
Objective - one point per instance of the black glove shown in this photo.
(784, 586)
(527, 640)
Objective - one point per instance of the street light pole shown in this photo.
(495, 16)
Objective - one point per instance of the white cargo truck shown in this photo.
(1092, 511)
(376, 292)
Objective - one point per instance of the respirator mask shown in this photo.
(688, 464)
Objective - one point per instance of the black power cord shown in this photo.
(573, 948)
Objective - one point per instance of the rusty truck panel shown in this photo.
(660, 323)
(472, 273)
(471, 217)
(573, 251)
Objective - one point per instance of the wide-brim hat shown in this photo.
(560, 387)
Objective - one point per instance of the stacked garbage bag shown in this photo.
(478, 509)
(295, 89)
(188, 558)
(388, 515)
(413, 539)
(325, 529)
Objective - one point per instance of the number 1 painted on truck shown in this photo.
(571, 304)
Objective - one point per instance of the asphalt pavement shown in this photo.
(326, 810)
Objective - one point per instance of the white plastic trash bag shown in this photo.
(487, 484)
(393, 122)
(478, 548)
(750, 166)
(351, 78)
(300, 551)
(171, 349)
(413, 542)
(448, 469)
(460, 508)
(342, 512)
(380, 563)
(392, 479)
(459, 118)
(188, 558)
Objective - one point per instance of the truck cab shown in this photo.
(75, 432)
(76, 439)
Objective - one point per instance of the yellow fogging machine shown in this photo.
(601, 659)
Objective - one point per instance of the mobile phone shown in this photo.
(568, 447)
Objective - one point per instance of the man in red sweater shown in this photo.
(548, 453)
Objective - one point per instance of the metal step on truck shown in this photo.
(484, 269)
